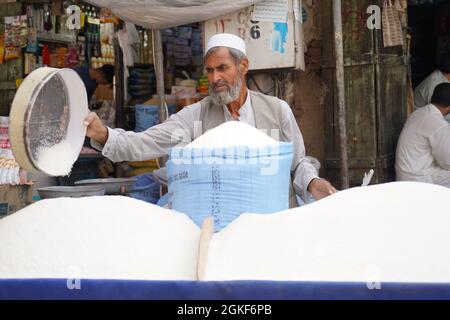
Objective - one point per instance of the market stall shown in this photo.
(379, 242)
(72, 34)
(350, 246)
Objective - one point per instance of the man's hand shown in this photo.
(95, 128)
(321, 188)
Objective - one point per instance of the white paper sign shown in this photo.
(270, 45)
(271, 11)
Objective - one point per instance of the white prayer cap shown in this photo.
(226, 40)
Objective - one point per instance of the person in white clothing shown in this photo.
(424, 91)
(423, 151)
(226, 66)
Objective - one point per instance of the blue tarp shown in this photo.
(241, 290)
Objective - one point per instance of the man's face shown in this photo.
(224, 76)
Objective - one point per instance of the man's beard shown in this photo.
(223, 98)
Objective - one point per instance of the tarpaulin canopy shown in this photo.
(159, 14)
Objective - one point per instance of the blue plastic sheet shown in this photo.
(37, 289)
(146, 117)
(146, 189)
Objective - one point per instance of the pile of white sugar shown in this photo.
(233, 134)
(57, 160)
(98, 238)
(397, 232)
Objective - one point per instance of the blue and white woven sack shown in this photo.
(226, 182)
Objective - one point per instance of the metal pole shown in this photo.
(159, 70)
(339, 49)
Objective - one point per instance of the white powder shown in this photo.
(396, 232)
(98, 238)
(231, 134)
(57, 160)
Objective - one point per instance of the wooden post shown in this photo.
(340, 83)
(159, 70)
(160, 87)
(205, 238)
(119, 86)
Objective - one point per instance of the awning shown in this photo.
(160, 14)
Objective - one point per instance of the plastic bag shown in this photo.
(12, 53)
(16, 31)
(392, 27)
(32, 46)
(146, 117)
(9, 168)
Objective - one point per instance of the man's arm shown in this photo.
(305, 175)
(440, 146)
(119, 145)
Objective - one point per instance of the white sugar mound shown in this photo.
(98, 238)
(57, 160)
(397, 232)
(233, 134)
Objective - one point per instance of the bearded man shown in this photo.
(226, 66)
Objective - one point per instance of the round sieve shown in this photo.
(46, 121)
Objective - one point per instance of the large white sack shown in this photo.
(397, 232)
(98, 238)
(231, 169)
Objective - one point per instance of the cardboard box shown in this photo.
(14, 198)
(183, 49)
(197, 61)
(183, 91)
(170, 40)
(182, 62)
(197, 50)
(182, 56)
(181, 42)
(170, 52)
(197, 36)
(184, 32)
